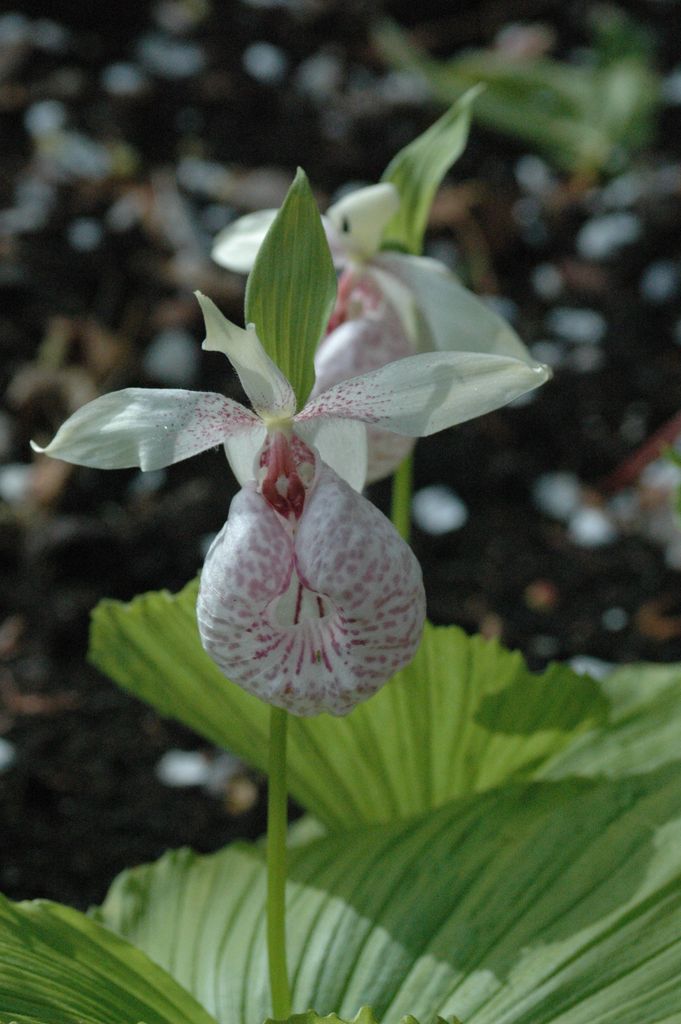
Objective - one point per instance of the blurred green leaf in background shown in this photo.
(587, 118)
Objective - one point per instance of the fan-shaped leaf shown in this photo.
(465, 716)
(548, 903)
(59, 967)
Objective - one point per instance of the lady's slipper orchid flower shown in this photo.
(390, 304)
(309, 599)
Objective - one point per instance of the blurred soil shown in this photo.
(133, 133)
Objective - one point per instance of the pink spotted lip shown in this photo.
(315, 619)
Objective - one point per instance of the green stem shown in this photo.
(276, 866)
(401, 497)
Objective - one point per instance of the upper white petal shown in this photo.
(237, 245)
(341, 443)
(425, 393)
(361, 217)
(147, 428)
(455, 319)
(266, 386)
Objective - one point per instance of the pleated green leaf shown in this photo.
(465, 716)
(365, 1016)
(643, 730)
(585, 118)
(418, 169)
(543, 903)
(59, 967)
(292, 288)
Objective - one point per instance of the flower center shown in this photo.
(287, 468)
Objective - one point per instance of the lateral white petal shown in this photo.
(237, 245)
(341, 444)
(456, 320)
(147, 428)
(361, 217)
(242, 450)
(422, 394)
(266, 386)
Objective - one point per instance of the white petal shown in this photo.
(314, 621)
(361, 217)
(455, 319)
(266, 386)
(242, 450)
(341, 444)
(147, 428)
(422, 394)
(237, 245)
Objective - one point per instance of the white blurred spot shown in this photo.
(584, 326)
(623, 191)
(76, 156)
(173, 357)
(550, 352)
(437, 510)
(585, 665)
(586, 359)
(547, 281)
(405, 87)
(125, 213)
(15, 482)
(170, 58)
(49, 36)
(319, 77)
(44, 118)
(122, 79)
(14, 29)
(180, 768)
(85, 234)
(557, 494)
(204, 177)
(591, 528)
(660, 281)
(671, 87)
(601, 237)
(533, 174)
(265, 62)
(8, 754)
(614, 619)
